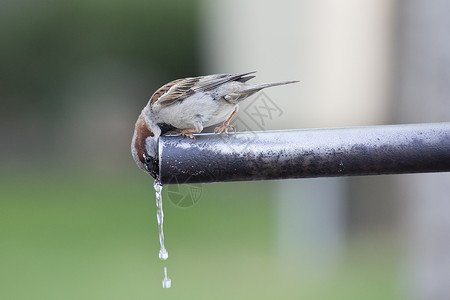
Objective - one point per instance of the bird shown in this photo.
(185, 106)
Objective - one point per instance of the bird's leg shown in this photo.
(226, 125)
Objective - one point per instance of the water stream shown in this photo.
(163, 254)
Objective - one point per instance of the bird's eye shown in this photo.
(147, 158)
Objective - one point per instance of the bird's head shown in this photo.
(144, 145)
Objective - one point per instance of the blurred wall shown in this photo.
(339, 50)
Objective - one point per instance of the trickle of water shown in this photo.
(167, 282)
(163, 254)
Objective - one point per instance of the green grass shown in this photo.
(95, 237)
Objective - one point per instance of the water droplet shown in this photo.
(167, 282)
(163, 254)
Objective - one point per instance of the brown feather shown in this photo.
(142, 133)
(181, 89)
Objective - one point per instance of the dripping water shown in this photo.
(163, 254)
(167, 282)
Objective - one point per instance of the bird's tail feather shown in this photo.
(258, 87)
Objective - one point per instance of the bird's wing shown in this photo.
(213, 81)
(180, 89)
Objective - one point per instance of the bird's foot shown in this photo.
(188, 132)
(224, 129)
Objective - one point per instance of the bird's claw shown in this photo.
(224, 129)
(189, 135)
(186, 133)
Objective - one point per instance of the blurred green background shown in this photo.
(78, 218)
(77, 235)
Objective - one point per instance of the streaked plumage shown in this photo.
(187, 106)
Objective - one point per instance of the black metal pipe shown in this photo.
(387, 149)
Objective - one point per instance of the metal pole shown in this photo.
(387, 149)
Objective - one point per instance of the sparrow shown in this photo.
(186, 106)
